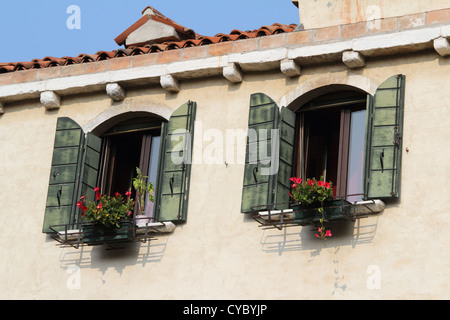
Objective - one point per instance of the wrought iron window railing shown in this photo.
(288, 214)
(89, 233)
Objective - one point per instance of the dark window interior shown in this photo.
(322, 149)
(122, 159)
(126, 146)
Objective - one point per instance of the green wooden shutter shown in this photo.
(74, 171)
(62, 190)
(258, 186)
(384, 139)
(175, 164)
(90, 167)
(286, 158)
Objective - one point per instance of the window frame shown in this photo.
(345, 103)
(145, 131)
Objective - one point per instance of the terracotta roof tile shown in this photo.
(122, 53)
(104, 55)
(190, 41)
(70, 60)
(139, 50)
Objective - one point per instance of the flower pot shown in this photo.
(304, 213)
(99, 233)
(335, 210)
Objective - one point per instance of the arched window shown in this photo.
(108, 156)
(351, 138)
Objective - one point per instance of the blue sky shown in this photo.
(36, 29)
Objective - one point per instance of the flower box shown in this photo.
(334, 210)
(98, 233)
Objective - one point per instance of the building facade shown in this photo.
(220, 124)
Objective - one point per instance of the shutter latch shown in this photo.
(55, 174)
(396, 136)
(171, 181)
(255, 170)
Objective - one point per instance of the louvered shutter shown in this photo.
(175, 164)
(62, 190)
(258, 185)
(286, 158)
(384, 139)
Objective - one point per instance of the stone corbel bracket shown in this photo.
(50, 100)
(115, 92)
(290, 68)
(233, 73)
(441, 44)
(353, 59)
(170, 83)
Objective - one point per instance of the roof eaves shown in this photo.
(144, 48)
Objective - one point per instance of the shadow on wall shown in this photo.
(297, 238)
(118, 256)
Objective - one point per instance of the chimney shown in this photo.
(152, 28)
(300, 24)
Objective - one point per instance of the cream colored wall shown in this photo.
(220, 253)
(324, 13)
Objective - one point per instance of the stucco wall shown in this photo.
(220, 253)
(325, 13)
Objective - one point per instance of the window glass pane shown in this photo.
(356, 155)
(152, 172)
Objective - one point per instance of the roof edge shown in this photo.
(120, 39)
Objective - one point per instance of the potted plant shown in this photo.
(109, 217)
(312, 198)
(144, 191)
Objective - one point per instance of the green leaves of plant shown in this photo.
(142, 189)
